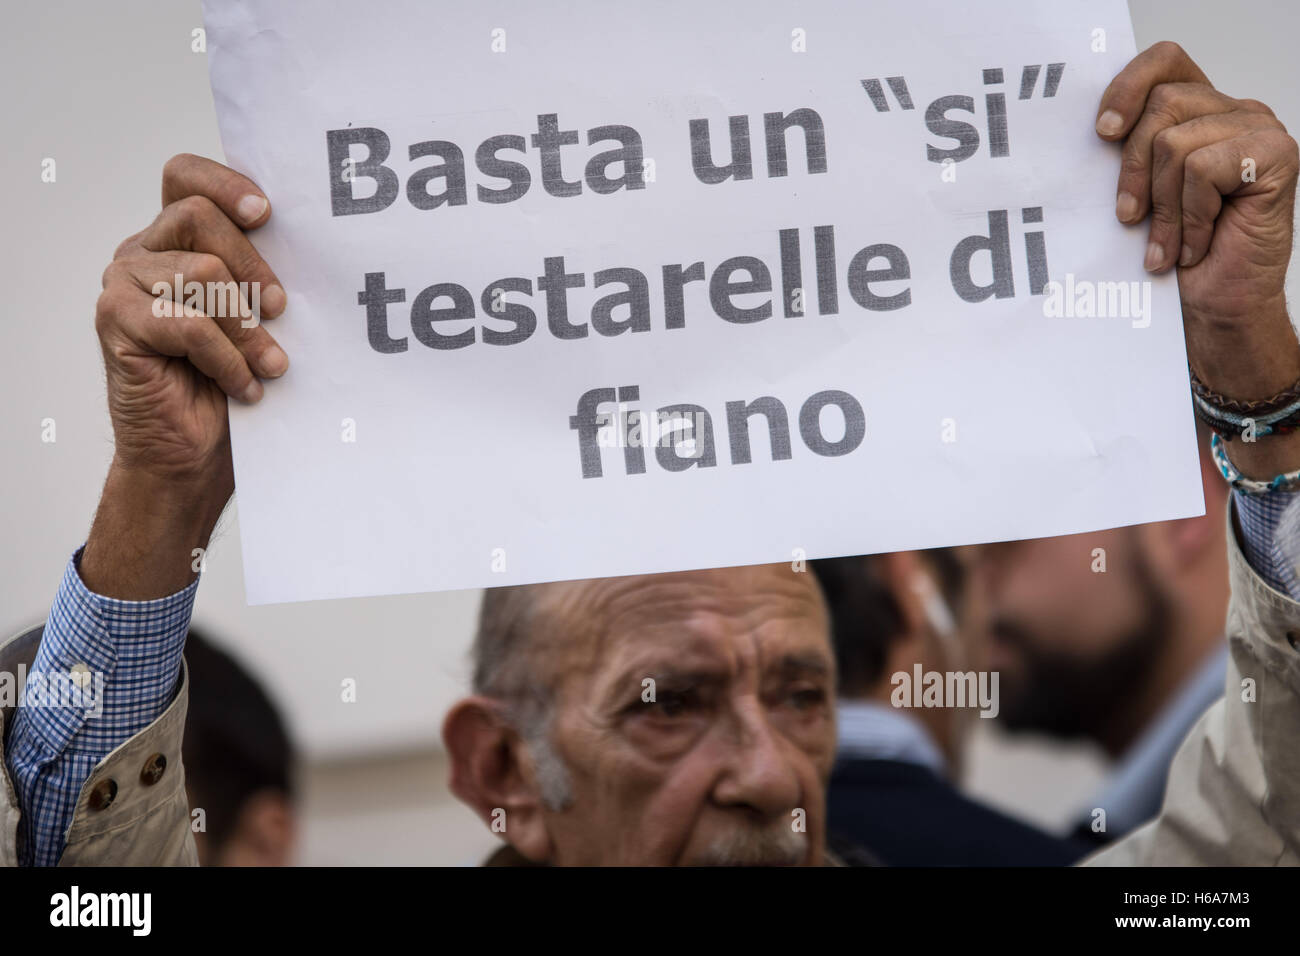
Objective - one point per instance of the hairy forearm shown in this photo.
(142, 542)
(1250, 360)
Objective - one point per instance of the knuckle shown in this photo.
(1276, 146)
(1290, 149)
(205, 344)
(1164, 145)
(1160, 96)
(1133, 168)
(1193, 220)
(246, 338)
(1168, 50)
(196, 207)
(1255, 106)
(1197, 168)
(108, 309)
(232, 368)
(1124, 90)
(1163, 214)
(191, 216)
(103, 310)
(1271, 123)
(204, 267)
(199, 332)
(1258, 121)
(113, 273)
(176, 165)
(248, 342)
(126, 245)
(1162, 101)
(249, 262)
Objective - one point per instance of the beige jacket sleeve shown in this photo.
(147, 820)
(1233, 796)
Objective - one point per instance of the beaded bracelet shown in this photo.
(1288, 481)
(1229, 424)
(1278, 415)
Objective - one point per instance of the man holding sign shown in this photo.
(683, 717)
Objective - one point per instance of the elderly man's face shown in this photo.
(727, 764)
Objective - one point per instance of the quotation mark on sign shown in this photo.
(897, 85)
(941, 121)
(1029, 79)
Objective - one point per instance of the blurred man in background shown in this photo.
(1115, 637)
(893, 786)
(238, 764)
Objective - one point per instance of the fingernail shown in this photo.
(1126, 206)
(273, 300)
(250, 208)
(1155, 256)
(273, 362)
(254, 392)
(1109, 123)
(1186, 258)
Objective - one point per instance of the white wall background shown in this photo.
(111, 91)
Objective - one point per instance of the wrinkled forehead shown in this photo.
(764, 617)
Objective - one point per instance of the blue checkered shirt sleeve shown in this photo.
(132, 653)
(1270, 542)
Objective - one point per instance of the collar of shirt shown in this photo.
(871, 731)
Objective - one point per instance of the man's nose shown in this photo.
(759, 770)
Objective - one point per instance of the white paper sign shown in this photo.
(529, 246)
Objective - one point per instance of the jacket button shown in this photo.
(102, 795)
(153, 769)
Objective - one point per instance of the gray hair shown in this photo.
(506, 669)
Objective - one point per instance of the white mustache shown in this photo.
(777, 845)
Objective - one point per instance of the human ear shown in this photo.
(491, 772)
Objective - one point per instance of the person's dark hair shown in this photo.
(865, 619)
(949, 574)
(236, 743)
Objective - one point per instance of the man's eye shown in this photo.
(673, 703)
(807, 697)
